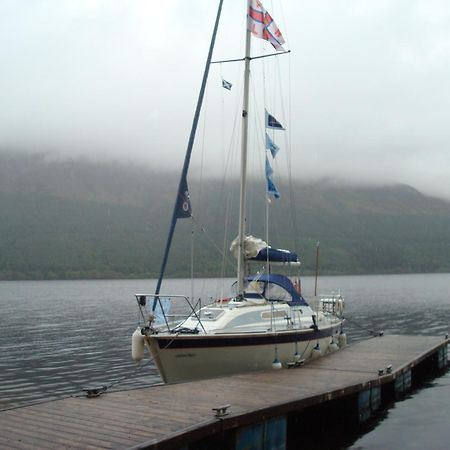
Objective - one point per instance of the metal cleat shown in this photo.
(293, 364)
(95, 392)
(221, 411)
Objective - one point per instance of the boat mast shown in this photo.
(244, 143)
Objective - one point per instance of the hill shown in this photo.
(79, 219)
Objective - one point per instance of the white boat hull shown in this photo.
(190, 357)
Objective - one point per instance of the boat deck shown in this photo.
(170, 416)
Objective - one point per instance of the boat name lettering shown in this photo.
(185, 355)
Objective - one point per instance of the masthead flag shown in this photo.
(273, 123)
(261, 24)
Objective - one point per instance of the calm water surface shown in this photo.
(60, 336)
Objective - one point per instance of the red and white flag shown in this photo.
(261, 24)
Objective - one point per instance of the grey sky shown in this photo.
(370, 81)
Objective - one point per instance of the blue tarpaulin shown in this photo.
(284, 282)
(276, 255)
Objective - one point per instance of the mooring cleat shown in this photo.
(221, 410)
(95, 392)
(293, 364)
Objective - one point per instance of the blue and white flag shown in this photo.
(162, 309)
(226, 84)
(273, 123)
(269, 170)
(271, 188)
(270, 145)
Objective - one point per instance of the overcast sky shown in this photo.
(118, 79)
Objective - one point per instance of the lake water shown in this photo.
(57, 337)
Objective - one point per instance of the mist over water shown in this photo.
(58, 337)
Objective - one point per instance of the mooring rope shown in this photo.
(104, 389)
(372, 331)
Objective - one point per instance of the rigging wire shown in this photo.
(288, 153)
(192, 260)
(199, 202)
(225, 188)
(202, 151)
(293, 204)
(271, 94)
(287, 114)
(371, 330)
(266, 191)
(252, 155)
(212, 242)
(227, 195)
(138, 368)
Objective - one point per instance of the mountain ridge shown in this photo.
(81, 219)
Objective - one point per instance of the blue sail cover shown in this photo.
(276, 255)
(284, 282)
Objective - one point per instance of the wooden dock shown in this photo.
(180, 415)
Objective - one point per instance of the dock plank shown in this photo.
(118, 420)
(60, 433)
(43, 424)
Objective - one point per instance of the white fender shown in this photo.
(333, 347)
(342, 340)
(276, 364)
(316, 352)
(137, 345)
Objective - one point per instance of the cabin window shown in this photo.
(270, 291)
(275, 292)
(254, 287)
(250, 318)
(275, 314)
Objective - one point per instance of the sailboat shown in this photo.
(267, 323)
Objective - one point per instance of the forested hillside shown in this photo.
(78, 219)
